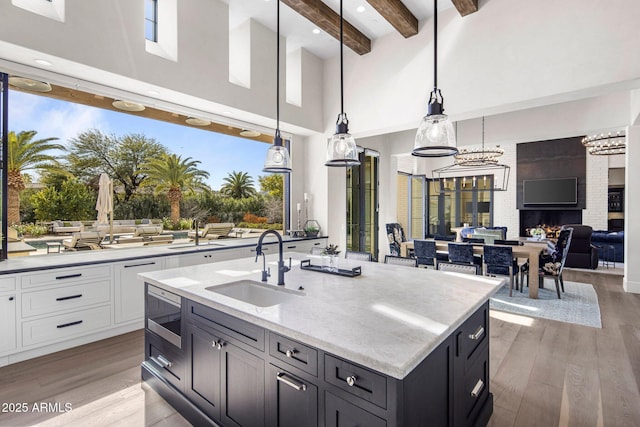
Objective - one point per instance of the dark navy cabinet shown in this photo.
(233, 373)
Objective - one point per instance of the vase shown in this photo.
(330, 263)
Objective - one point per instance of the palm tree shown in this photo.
(173, 174)
(26, 154)
(238, 185)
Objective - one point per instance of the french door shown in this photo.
(362, 204)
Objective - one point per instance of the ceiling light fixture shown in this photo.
(278, 159)
(43, 62)
(29, 84)
(315, 31)
(127, 106)
(195, 121)
(435, 136)
(475, 157)
(249, 133)
(361, 9)
(606, 145)
(342, 150)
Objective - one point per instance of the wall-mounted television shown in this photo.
(556, 191)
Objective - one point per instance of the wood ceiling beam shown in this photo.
(329, 21)
(397, 14)
(466, 7)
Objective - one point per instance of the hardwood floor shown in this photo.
(543, 373)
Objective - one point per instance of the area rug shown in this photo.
(579, 303)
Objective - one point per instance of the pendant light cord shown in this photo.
(278, 71)
(341, 66)
(435, 43)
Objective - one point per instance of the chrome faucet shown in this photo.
(281, 267)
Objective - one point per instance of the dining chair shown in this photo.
(398, 260)
(448, 238)
(477, 240)
(460, 259)
(426, 253)
(498, 260)
(552, 262)
(395, 236)
(362, 256)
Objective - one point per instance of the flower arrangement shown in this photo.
(331, 250)
(538, 233)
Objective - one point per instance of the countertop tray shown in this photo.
(306, 265)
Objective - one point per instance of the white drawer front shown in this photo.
(55, 328)
(65, 297)
(7, 284)
(67, 275)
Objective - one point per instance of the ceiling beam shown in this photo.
(466, 7)
(397, 14)
(329, 21)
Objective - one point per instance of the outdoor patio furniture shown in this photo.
(213, 230)
(83, 240)
(59, 227)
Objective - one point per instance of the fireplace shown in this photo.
(530, 218)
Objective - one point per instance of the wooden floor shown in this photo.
(543, 373)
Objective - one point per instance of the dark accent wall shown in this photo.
(556, 158)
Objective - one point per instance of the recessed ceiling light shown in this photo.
(194, 121)
(315, 31)
(43, 62)
(227, 113)
(29, 84)
(127, 105)
(249, 133)
(153, 92)
(361, 8)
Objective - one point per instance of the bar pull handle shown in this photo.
(69, 297)
(161, 361)
(477, 389)
(65, 325)
(70, 276)
(282, 377)
(140, 265)
(477, 334)
(291, 247)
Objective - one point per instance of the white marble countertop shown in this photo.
(389, 318)
(127, 252)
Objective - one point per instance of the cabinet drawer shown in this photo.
(340, 413)
(292, 401)
(235, 328)
(55, 328)
(294, 353)
(7, 284)
(68, 275)
(473, 333)
(476, 387)
(64, 298)
(357, 380)
(167, 359)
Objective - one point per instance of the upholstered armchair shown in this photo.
(395, 235)
(582, 253)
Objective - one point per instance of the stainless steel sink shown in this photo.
(256, 293)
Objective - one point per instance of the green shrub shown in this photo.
(74, 201)
(182, 224)
(31, 230)
(260, 226)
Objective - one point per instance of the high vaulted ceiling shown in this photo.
(365, 20)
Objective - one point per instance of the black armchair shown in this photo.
(582, 253)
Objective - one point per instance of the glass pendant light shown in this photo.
(342, 150)
(435, 137)
(278, 160)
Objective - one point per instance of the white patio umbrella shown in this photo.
(104, 204)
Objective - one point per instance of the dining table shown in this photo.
(529, 249)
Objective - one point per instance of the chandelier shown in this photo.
(478, 157)
(605, 144)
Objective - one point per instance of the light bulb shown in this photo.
(435, 132)
(341, 146)
(277, 157)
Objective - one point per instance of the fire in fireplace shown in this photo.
(551, 220)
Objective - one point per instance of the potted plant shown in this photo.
(311, 228)
(330, 257)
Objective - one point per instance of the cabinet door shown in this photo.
(7, 323)
(197, 258)
(292, 402)
(203, 386)
(243, 393)
(129, 290)
(340, 413)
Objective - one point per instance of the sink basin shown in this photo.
(256, 293)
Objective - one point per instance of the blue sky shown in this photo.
(219, 154)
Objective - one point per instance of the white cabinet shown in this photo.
(186, 260)
(129, 290)
(63, 298)
(7, 322)
(304, 246)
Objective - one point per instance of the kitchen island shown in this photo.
(393, 346)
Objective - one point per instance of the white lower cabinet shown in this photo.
(129, 290)
(56, 328)
(63, 298)
(7, 322)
